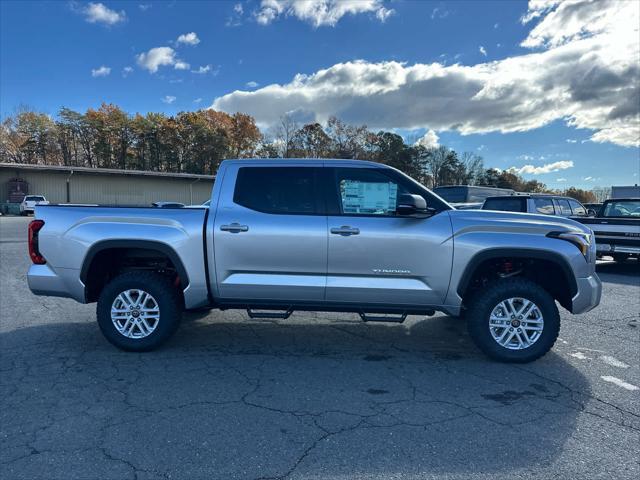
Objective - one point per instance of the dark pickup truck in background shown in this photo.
(617, 228)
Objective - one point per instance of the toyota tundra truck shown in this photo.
(281, 235)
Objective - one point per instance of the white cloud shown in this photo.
(101, 71)
(235, 19)
(482, 50)
(591, 179)
(588, 82)
(439, 13)
(202, 69)
(496, 25)
(158, 57)
(126, 71)
(188, 39)
(168, 99)
(572, 140)
(561, 180)
(252, 84)
(99, 13)
(144, 6)
(319, 13)
(383, 13)
(428, 140)
(565, 21)
(547, 168)
(198, 100)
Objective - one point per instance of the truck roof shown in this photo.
(298, 161)
(629, 199)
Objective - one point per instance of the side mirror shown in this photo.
(411, 205)
(591, 212)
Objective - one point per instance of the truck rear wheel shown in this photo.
(138, 311)
(513, 320)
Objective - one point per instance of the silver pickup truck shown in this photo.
(327, 235)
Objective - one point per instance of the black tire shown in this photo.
(166, 296)
(479, 309)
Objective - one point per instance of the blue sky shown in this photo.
(477, 74)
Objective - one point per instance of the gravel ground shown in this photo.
(317, 396)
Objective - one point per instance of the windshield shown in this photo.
(469, 194)
(34, 198)
(623, 208)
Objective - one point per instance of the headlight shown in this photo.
(579, 239)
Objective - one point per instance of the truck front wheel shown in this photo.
(139, 310)
(513, 320)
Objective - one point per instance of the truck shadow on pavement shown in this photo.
(316, 396)
(626, 273)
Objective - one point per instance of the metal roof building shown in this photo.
(61, 184)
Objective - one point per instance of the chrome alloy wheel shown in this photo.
(516, 323)
(135, 313)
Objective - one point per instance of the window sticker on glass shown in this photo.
(375, 198)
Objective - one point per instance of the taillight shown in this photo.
(34, 253)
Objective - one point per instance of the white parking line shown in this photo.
(579, 356)
(620, 383)
(614, 362)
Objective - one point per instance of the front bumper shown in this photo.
(588, 296)
(607, 248)
(62, 282)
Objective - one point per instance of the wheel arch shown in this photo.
(492, 254)
(127, 245)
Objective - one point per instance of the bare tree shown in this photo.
(285, 132)
(601, 193)
(474, 165)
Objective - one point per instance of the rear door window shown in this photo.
(544, 206)
(278, 190)
(511, 204)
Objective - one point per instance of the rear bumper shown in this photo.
(62, 282)
(588, 295)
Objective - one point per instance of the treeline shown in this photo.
(196, 142)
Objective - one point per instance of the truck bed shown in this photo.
(72, 234)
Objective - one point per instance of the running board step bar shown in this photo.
(283, 315)
(371, 317)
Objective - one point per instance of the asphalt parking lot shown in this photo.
(317, 396)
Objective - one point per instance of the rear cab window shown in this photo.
(279, 190)
(506, 204)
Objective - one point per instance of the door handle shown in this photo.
(234, 228)
(345, 230)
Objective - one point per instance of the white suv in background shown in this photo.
(29, 203)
